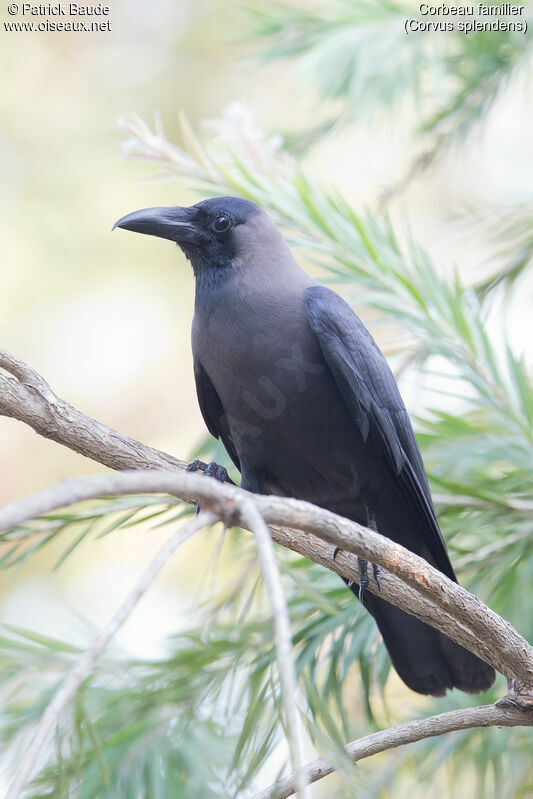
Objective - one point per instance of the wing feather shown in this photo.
(371, 394)
(213, 412)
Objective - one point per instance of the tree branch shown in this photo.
(310, 546)
(500, 715)
(433, 597)
(447, 606)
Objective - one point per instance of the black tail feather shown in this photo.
(427, 661)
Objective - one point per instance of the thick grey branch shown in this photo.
(429, 595)
(499, 715)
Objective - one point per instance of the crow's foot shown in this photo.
(362, 563)
(377, 575)
(211, 469)
(371, 523)
(363, 577)
(196, 466)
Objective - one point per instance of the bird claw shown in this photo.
(196, 466)
(363, 574)
(211, 469)
(363, 577)
(377, 575)
(363, 564)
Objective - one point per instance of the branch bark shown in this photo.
(432, 597)
(500, 715)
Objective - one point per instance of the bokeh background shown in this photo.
(105, 318)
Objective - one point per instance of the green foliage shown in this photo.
(512, 234)
(354, 52)
(25, 540)
(359, 55)
(204, 719)
(217, 691)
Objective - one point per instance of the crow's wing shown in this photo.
(213, 412)
(371, 394)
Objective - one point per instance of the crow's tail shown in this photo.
(426, 660)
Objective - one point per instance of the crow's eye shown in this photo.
(221, 223)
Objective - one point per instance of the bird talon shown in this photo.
(363, 577)
(196, 466)
(377, 575)
(211, 469)
(336, 552)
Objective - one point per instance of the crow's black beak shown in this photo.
(174, 223)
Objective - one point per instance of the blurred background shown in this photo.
(374, 115)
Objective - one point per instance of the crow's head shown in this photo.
(214, 234)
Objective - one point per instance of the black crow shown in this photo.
(305, 403)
